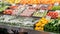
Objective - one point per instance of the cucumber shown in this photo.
(50, 28)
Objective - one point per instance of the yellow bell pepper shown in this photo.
(44, 22)
(37, 28)
(42, 25)
(38, 24)
(42, 29)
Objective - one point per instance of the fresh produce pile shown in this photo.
(53, 26)
(53, 14)
(40, 24)
(41, 17)
(3, 6)
(23, 22)
(32, 2)
(40, 13)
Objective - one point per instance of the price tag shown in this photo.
(48, 17)
(45, 5)
(58, 11)
(41, 5)
(56, 4)
(34, 5)
(42, 11)
(13, 4)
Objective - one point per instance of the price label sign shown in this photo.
(48, 17)
(56, 4)
(42, 11)
(58, 12)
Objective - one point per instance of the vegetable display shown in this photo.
(53, 26)
(28, 12)
(40, 15)
(40, 24)
(3, 6)
(25, 22)
(55, 8)
(52, 14)
(33, 2)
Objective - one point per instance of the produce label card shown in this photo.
(56, 4)
(48, 17)
(42, 11)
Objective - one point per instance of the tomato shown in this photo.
(53, 14)
(56, 13)
(13, 7)
(9, 11)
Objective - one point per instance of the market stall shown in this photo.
(32, 17)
